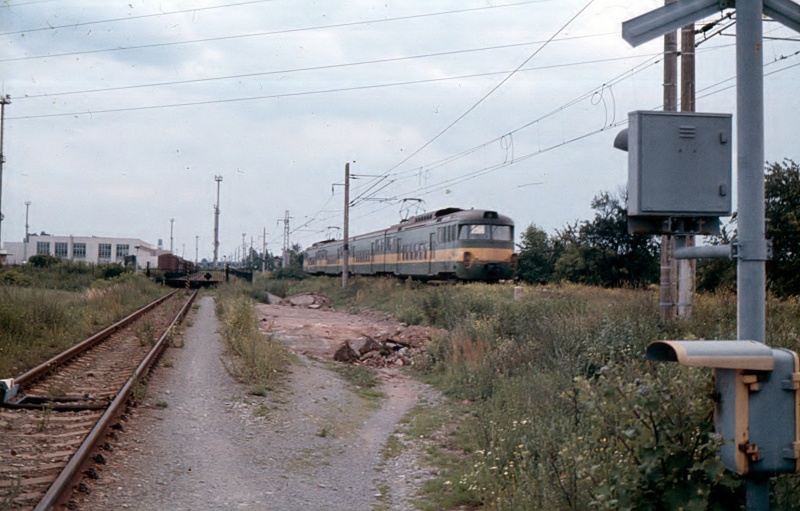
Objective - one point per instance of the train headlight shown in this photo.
(468, 260)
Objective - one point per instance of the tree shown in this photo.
(782, 194)
(603, 253)
(537, 256)
(295, 268)
(718, 273)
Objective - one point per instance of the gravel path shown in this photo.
(203, 442)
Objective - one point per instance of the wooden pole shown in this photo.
(669, 270)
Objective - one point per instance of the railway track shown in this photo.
(55, 417)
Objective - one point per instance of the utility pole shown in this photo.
(244, 249)
(264, 252)
(346, 229)
(669, 270)
(4, 100)
(218, 179)
(171, 223)
(196, 248)
(25, 245)
(687, 268)
(285, 239)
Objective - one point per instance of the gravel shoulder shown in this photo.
(201, 441)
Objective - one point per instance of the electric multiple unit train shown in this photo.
(450, 244)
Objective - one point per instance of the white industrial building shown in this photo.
(86, 249)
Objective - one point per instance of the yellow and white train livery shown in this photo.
(451, 243)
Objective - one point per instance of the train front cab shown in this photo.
(487, 251)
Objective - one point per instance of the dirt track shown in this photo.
(203, 442)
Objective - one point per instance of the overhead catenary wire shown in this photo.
(577, 100)
(132, 17)
(613, 81)
(287, 94)
(651, 60)
(495, 88)
(326, 67)
(441, 185)
(269, 33)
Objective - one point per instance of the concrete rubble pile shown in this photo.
(307, 300)
(398, 348)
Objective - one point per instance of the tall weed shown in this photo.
(256, 358)
(37, 323)
(565, 413)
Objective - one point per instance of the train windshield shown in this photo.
(486, 232)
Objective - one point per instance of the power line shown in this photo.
(591, 93)
(274, 32)
(623, 76)
(652, 60)
(295, 94)
(8, 6)
(427, 190)
(486, 170)
(493, 90)
(319, 68)
(128, 18)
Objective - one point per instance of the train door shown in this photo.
(398, 243)
(431, 248)
(382, 253)
(371, 257)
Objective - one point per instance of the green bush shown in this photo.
(113, 270)
(43, 261)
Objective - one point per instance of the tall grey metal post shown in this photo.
(752, 249)
(218, 179)
(27, 228)
(752, 246)
(4, 100)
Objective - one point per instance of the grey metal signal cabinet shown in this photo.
(679, 164)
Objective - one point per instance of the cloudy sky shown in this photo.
(122, 113)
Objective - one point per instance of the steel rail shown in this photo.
(71, 474)
(41, 370)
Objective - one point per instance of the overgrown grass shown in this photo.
(256, 358)
(37, 323)
(565, 413)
